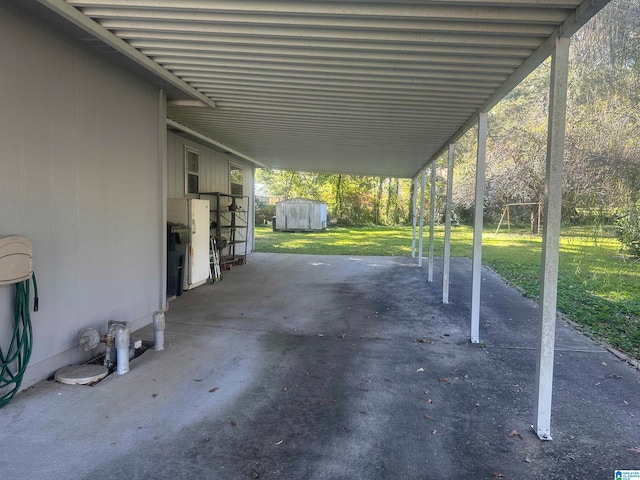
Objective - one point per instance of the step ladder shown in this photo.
(215, 275)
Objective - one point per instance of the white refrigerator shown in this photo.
(195, 214)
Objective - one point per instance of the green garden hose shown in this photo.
(14, 362)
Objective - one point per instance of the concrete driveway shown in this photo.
(331, 367)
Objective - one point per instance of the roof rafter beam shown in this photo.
(174, 52)
(217, 44)
(452, 83)
(391, 61)
(341, 108)
(313, 26)
(408, 102)
(445, 96)
(345, 76)
(299, 33)
(347, 8)
(416, 19)
(350, 90)
(211, 141)
(381, 69)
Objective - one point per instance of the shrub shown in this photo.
(627, 230)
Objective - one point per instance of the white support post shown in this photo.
(420, 242)
(432, 214)
(447, 226)
(551, 236)
(162, 201)
(415, 217)
(476, 275)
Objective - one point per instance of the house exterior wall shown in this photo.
(80, 175)
(214, 173)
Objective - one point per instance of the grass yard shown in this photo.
(598, 288)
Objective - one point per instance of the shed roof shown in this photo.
(370, 87)
(301, 200)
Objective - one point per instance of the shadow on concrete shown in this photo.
(327, 367)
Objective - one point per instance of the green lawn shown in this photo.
(598, 287)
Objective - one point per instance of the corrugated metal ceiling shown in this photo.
(367, 87)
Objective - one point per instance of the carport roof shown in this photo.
(367, 87)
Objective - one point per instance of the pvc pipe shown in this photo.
(122, 336)
(158, 330)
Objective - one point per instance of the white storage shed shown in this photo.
(301, 215)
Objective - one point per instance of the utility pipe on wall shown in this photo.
(122, 333)
(158, 330)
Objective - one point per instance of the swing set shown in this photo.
(507, 212)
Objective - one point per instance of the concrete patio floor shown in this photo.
(309, 367)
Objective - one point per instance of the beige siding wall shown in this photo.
(80, 176)
(214, 172)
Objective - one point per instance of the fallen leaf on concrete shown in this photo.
(635, 449)
(364, 389)
(527, 459)
(278, 443)
(427, 417)
(433, 432)
(613, 375)
(233, 424)
(443, 379)
(259, 455)
(420, 370)
(423, 340)
(515, 433)
(498, 475)
(388, 380)
(213, 389)
(254, 474)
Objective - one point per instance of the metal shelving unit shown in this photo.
(229, 220)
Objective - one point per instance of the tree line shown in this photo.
(602, 146)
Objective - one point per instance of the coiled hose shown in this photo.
(14, 361)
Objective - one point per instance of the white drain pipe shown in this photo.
(158, 330)
(122, 333)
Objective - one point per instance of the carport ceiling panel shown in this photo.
(356, 87)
